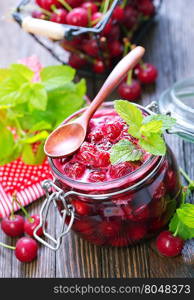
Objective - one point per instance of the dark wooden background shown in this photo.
(170, 47)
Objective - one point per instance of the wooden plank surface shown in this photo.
(169, 47)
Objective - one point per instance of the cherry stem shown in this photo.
(23, 209)
(46, 12)
(7, 246)
(65, 4)
(129, 77)
(127, 45)
(12, 205)
(185, 175)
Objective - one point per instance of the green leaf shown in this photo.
(153, 126)
(40, 155)
(167, 121)
(131, 115)
(35, 94)
(56, 76)
(6, 142)
(42, 125)
(153, 144)
(180, 228)
(4, 74)
(186, 214)
(8, 93)
(21, 73)
(16, 151)
(36, 138)
(28, 156)
(123, 151)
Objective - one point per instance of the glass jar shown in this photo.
(120, 212)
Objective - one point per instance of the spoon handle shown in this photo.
(119, 72)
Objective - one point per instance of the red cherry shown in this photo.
(114, 34)
(76, 61)
(82, 208)
(112, 130)
(115, 48)
(13, 226)
(74, 170)
(96, 17)
(97, 176)
(74, 3)
(130, 17)
(48, 4)
(137, 232)
(102, 159)
(147, 73)
(141, 213)
(95, 136)
(26, 249)
(120, 242)
(85, 227)
(98, 66)
(146, 7)
(59, 16)
(121, 169)
(130, 92)
(77, 17)
(95, 239)
(109, 228)
(91, 47)
(118, 13)
(90, 7)
(30, 225)
(169, 245)
(39, 15)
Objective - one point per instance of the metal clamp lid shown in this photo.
(51, 197)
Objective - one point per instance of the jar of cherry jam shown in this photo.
(111, 205)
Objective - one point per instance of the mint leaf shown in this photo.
(35, 94)
(42, 125)
(28, 156)
(167, 121)
(36, 138)
(40, 155)
(131, 115)
(6, 142)
(186, 214)
(123, 151)
(4, 74)
(153, 144)
(180, 228)
(153, 126)
(21, 73)
(8, 93)
(56, 76)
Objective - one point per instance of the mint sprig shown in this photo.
(29, 110)
(148, 130)
(123, 151)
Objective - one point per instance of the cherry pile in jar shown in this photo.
(120, 204)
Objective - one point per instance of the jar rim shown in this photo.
(152, 159)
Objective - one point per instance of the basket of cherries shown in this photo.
(95, 34)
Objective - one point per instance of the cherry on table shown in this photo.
(13, 226)
(26, 249)
(147, 73)
(30, 225)
(131, 91)
(169, 245)
(98, 66)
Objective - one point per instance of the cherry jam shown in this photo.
(122, 204)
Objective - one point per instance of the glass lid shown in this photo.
(178, 101)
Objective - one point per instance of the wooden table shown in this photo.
(169, 47)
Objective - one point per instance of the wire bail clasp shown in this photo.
(53, 194)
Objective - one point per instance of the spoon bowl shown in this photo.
(68, 138)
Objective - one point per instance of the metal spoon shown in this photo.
(67, 138)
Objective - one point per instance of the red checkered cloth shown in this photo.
(17, 177)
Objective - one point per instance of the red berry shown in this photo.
(137, 232)
(114, 34)
(74, 3)
(91, 47)
(130, 92)
(146, 7)
(118, 13)
(169, 245)
(102, 160)
(112, 130)
(121, 169)
(141, 213)
(39, 15)
(96, 17)
(90, 7)
(109, 228)
(85, 227)
(95, 136)
(48, 4)
(74, 170)
(76, 61)
(26, 249)
(81, 208)
(77, 17)
(97, 176)
(107, 28)
(147, 73)
(98, 66)
(13, 226)
(115, 48)
(30, 225)
(120, 242)
(59, 16)
(130, 17)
